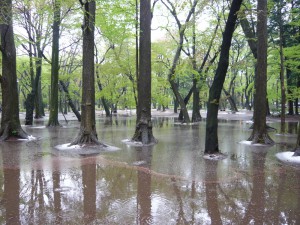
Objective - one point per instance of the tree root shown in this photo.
(54, 124)
(8, 132)
(144, 134)
(263, 138)
(89, 139)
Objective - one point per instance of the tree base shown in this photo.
(8, 132)
(85, 138)
(54, 124)
(264, 138)
(144, 134)
(215, 156)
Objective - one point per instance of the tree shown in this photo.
(53, 116)
(259, 133)
(87, 133)
(211, 140)
(10, 122)
(181, 30)
(33, 16)
(143, 132)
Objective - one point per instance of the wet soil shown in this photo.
(168, 183)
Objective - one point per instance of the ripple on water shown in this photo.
(162, 208)
(122, 211)
(63, 189)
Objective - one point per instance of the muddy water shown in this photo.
(169, 183)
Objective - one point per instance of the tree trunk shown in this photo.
(70, 102)
(297, 149)
(171, 75)
(38, 88)
(87, 133)
(282, 85)
(143, 132)
(289, 85)
(10, 121)
(211, 140)
(231, 101)
(53, 115)
(259, 133)
(103, 100)
(186, 100)
(196, 116)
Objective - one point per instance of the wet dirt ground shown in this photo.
(168, 183)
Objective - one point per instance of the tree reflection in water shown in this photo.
(169, 183)
(89, 190)
(144, 155)
(211, 181)
(11, 174)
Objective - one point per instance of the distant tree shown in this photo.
(143, 132)
(259, 133)
(10, 122)
(87, 133)
(53, 115)
(211, 140)
(33, 16)
(172, 70)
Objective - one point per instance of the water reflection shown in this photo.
(169, 183)
(144, 154)
(11, 195)
(89, 191)
(256, 207)
(211, 181)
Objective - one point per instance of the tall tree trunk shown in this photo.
(143, 132)
(259, 133)
(282, 85)
(211, 140)
(10, 121)
(87, 133)
(53, 116)
(196, 116)
(38, 88)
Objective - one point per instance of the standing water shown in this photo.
(168, 183)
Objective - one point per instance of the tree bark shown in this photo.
(259, 133)
(211, 140)
(143, 132)
(53, 116)
(87, 133)
(10, 122)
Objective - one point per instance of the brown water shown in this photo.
(169, 183)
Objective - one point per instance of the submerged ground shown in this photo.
(168, 183)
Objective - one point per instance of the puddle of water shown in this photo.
(168, 183)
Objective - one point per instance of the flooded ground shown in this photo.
(169, 183)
